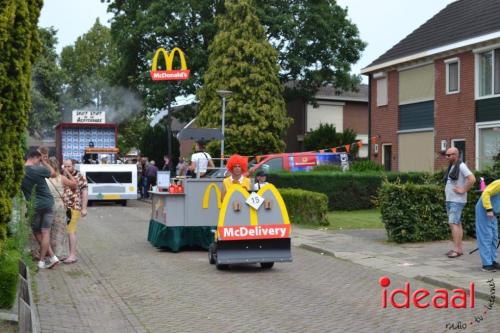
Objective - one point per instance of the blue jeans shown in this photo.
(487, 231)
(454, 211)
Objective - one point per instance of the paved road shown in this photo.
(122, 284)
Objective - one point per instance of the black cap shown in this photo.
(260, 173)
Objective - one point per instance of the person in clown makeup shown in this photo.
(236, 165)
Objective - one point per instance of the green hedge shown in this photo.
(345, 190)
(9, 275)
(416, 212)
(305, 207)
(413, 213)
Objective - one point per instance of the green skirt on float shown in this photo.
(175, 238)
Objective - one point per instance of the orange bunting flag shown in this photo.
(347, 148)
(334, 150)
(257, 158)
(321, 150)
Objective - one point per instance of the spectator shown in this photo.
(141, 175)
(166, 163)
(56, 187)
(459, 180)
(151, 174)
(182, 167)
(76, 200)
(36, 170)
(200, 160)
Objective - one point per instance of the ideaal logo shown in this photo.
(440, 299)
(422, 298)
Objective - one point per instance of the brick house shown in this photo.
(342, 109)
(439, 87)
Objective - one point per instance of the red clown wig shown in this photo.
(237, 160)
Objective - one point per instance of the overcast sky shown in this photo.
(382, 23)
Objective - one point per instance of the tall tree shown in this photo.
(46, 87)
(19, 42)
(326, 137)
(315, 40)
(242, 61)
(87, 65)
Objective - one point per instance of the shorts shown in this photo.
(454, 211)
(42, 219)
(75, 216)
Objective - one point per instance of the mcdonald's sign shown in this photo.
(169, 74)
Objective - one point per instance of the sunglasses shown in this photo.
(448, 155)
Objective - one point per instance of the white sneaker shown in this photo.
(42, 264)
(53, 261)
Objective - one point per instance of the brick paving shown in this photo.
(122, 284)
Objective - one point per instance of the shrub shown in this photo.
(305, 207)
(416, 212)
(365, 165)
(413, 213)
(15, 249)
(328, 167)
(9, 274)
(345, 190)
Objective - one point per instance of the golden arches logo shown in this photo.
(169, 74)
(253, 230)
(206, 195)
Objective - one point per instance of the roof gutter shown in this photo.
(432, 52)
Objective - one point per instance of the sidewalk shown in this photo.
(423, 261)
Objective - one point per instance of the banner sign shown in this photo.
(169, 74)
(87, 116)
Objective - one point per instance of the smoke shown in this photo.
(123, 104)
(119, 104)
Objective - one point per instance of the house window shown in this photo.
(489, 73)
(452, 76)
(488, 145)
(382, 91)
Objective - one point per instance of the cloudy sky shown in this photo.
(382, 23)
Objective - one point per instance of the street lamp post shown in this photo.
(223, 94)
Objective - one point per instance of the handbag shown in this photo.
(68, 210)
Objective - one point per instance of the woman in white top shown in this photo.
(58, 229)
(200, 160)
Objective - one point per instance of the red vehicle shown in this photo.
(303, 161)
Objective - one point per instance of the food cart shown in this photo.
(252, 228)
(186, 216)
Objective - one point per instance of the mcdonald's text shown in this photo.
(172, 75)
(254, 232)
(422, 298)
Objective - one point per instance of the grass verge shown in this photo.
(356, 219)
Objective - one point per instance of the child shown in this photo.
(260, 180)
